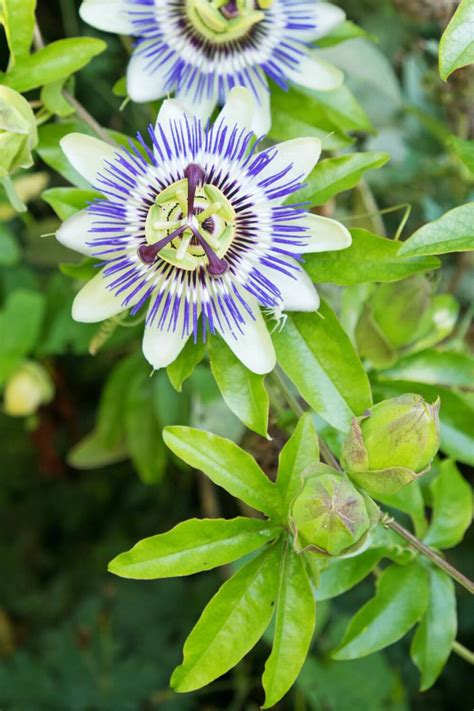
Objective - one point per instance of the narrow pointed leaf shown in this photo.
(297, 459)
(294, 627)
(434, 637)
(318, 356)
(231, 624)
(400, 601)
(193, 546)
(227, 465)
(453, 232)
(182, 368)
(243, 391)
(19, 21)
(452, 507)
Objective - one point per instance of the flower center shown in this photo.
(191, 225)
(225, 20)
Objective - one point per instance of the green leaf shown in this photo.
(67, 201)
(193, 546)
(143, 431)
(84, 270)
(456, 415)
(54, 62)
(452, 507)
(334, 175)
(434, 367)
(456, 48)
(341, 33)
(294, 627)
(453, 232)
(342, 108)
(464, 150)
(113, 400)
(342, 574)
(369, 258)
(443, 316)
(295, 115)
(410, 501)
(54, 100)
(9, 249)
(400, 600)
(92, 453)
(243, 391)
(434, 637)
(297, 459)
(231, 624)
(182, 367)
(227, 465)
(20, 324)
(50, 151)
(317, 355)
(19, 22)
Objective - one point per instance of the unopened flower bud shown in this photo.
(330, 516)
(393, 445)
(27, 389)
(392, 319)
(18, 133)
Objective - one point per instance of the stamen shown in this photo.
(148, 252)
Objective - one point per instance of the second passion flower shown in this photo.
(194, 227)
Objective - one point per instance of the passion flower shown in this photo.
(195, 227)
(200, 49)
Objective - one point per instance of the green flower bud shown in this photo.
(18, 133)
(393, 445)
(392, 319)
(330, 516)
(29, 387)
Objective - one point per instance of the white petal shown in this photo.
(145, 80)
(298, 292)
(254, 346)
(87, 154)
(75, 233)
(171, 110)
(108, 15)
(314, 73)
(161, 348)
(262, 119)
(323, 234)
(240, 108)
(202, 109)
(96, 303)
(327, 18)
(302, 153)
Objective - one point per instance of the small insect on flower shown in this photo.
(200, 49)
(195, 228)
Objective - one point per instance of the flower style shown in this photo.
(200, 49)
(195, 226)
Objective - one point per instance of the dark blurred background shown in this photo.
(73, 637)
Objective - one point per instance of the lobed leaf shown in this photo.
(317, 355)
(231, 623)
(400, 601)
(193, 546)
(227, 465)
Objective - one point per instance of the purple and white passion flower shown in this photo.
(200, 49)
(195, 228)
